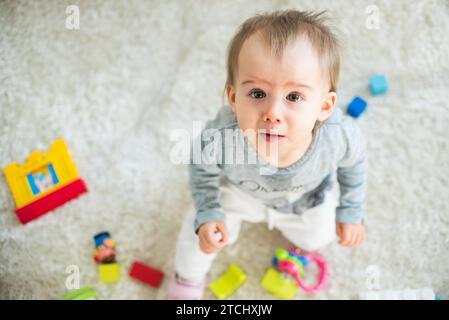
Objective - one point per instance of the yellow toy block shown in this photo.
(280, 286)
(44, 182)
(224, 286)
(109, 272)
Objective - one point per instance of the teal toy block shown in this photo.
(378, 85)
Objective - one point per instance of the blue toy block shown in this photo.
(378, 85)
(356, 107)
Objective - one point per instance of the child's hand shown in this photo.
(350, 235)
(213, 236)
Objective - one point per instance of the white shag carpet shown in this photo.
(138, 69)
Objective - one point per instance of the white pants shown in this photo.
(313, 229)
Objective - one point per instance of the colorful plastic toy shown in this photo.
(227, 284)
(104, 248)
(44, 182)
(378, 85)
(279, 285)
(146, 274)
(104, 255)
(109, 272)
(81, 294)
(356, 107)
(292, 263)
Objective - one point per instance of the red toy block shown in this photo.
(146, 274)
(40, 207)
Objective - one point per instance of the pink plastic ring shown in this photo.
(292, 269)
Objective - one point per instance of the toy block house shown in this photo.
(44, 182)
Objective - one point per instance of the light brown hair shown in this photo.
(280, 27)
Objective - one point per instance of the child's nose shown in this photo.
(273, 114)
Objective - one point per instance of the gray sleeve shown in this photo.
(204, 177)
(352, 176)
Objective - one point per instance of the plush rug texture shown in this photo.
(136, 70)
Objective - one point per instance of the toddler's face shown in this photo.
(284, 97)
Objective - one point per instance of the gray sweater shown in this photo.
(221, 152)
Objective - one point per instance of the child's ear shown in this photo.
(230, 94)
(328, 107)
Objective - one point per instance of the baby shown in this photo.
(298, 148)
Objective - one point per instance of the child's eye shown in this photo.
(294, 97)
(257, 94)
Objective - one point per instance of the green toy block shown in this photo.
(81, 294)
(109, 272)
(224, 286)
(279, 286)
(281, 253)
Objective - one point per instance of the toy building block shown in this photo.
(356, 107)
(81, 294)
(378, 85)
(44, 182)
(146, 274)
(228, 283)
(104, 255)
(279, 285)
(109, 272)
(104, 248)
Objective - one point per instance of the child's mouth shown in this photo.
(271, 137)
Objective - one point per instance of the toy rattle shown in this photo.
(292, 262)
